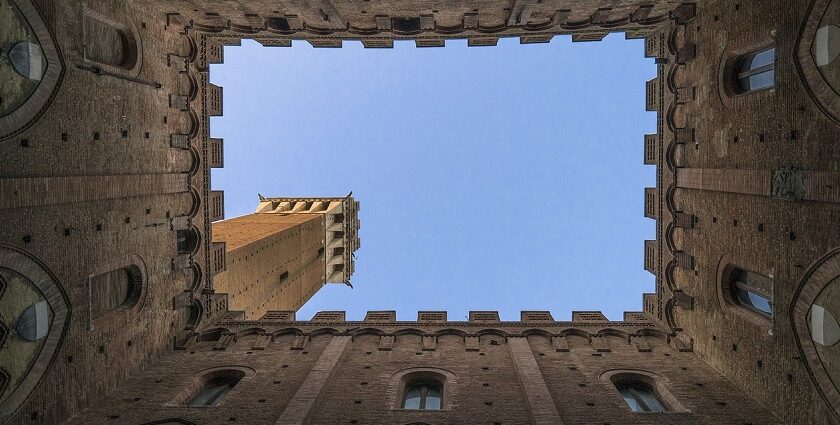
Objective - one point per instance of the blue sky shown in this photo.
(490, 178)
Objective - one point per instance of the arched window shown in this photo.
(751, 291)
(643, 391)
(639, 396)
(116, 289)
(214, 387)
(756, 71)
(423, 394)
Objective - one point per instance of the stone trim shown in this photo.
(39, 191)
(540, 403)
(305, 397)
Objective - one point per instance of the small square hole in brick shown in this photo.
(146, 135)
(590, 404)
(96, 135)
(284, 366)
(69, 359)
(101, 348)
(64, 137)
(128, 219)
(734, 347)
(714, 219)
(67, 232)
(27, 238)
(148, 211)
(760, 227)
(24, 143)
(262, 400)
(759, 364)
(357, 401)
(124, 134)
(363, 383)
(792, 236)
(488, 403)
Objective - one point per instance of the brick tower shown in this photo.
(279, 256)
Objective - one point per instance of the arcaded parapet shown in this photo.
(285, 372)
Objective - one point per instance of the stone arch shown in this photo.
(111, 45)
(287, 331)
(537, 332)
(40, 69)
(324, 331)
(451, 331)
(814, 315)
(366, 331)
(189, 240)
(409, 331)
(250, 331)
(104, 276)
(46, 324)
(492, 332)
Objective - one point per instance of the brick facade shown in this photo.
(106, 165)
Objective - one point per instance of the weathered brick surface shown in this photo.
(120, 158)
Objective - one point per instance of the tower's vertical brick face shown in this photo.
(274, 262)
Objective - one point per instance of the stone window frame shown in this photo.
(201, 377)
(657, 383)
(118, 316)
(732, 308)
(39, 101)
(399, 381)
(730, 64)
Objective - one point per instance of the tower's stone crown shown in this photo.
(341, 228)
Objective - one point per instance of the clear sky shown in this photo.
(490, 178)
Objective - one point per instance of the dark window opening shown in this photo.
(752, 291)
(640, 397)
(426, 394)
